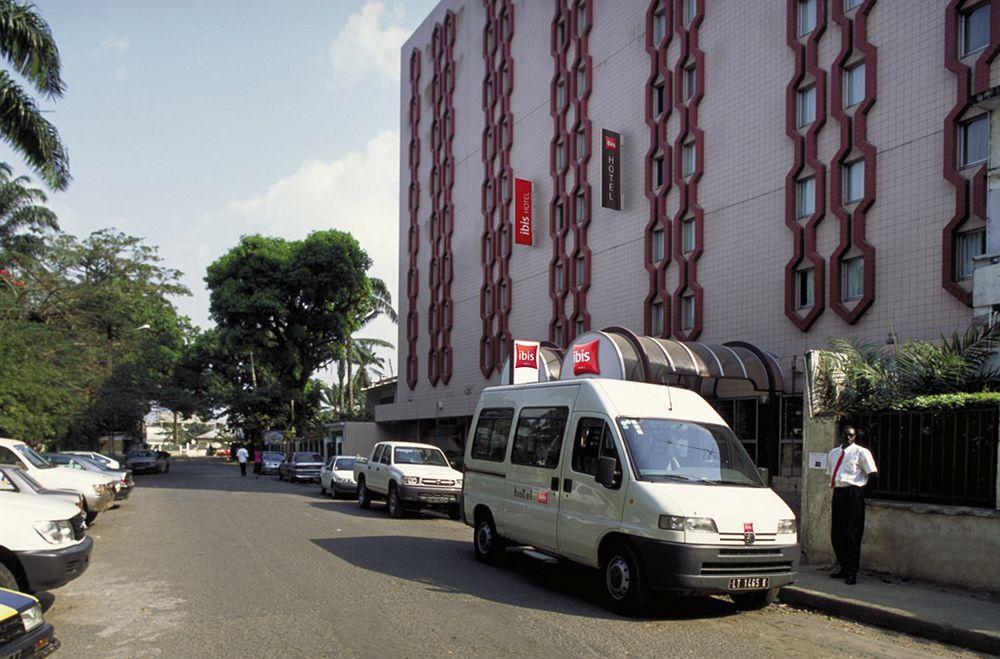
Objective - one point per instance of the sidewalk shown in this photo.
(970, 620)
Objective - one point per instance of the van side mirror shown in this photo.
(765, 475)
(607, 472)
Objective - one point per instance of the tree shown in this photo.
(381, 305)
(290, 306)
(22, 216)
(27, 44)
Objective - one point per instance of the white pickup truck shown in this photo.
(409, 477)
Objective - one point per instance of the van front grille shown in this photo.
(734, 568)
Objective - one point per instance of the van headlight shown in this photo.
(32, 618)
(55, 533)
(786, 526)
(411, 480)
(100, 488)
(676, 523)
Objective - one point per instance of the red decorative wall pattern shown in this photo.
(660, 77)
(560, 212)
(807, 72)
(853, 141)
(413, 238)
(687, 187)
(582, 13)
(498, 181)
(970, 190)
(442, 219)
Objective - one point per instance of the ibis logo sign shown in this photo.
(525, 355)
(585, 358)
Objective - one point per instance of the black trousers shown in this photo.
(848, 526)
(243, 469)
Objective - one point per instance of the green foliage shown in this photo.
(27, 45)
(855, 377)
(23, 218)
(950, 401)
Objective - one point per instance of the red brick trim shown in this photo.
(413, 237)
(687, 272)
(658, 143)
(498, 179)
(442, 219)
(853, 139)
(806, 155)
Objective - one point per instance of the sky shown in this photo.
(191, 124)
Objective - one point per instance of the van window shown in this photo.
(538, 438)
(492, 430)
(593, 440)
(7, 457)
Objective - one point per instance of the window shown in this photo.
(807, 17)
(559, 277)
(974, 29)
(687, 312)
(559, 216)
(581, 18)
(854, 85)
(539, 435)
(804, 280)
(581, 207)
(854, 181)
(659, 25)
(581, 142)
(656, 319)
(593, 441)
(687, 235)
(659, 246)
(580, 270)
(560, 32)
(974, 143)
(560, 154)
(560, 94)
(687, 159)
(657, 171)
(581, 80)
(7, 457)
(851, 4)
(579, 326)
(690, 82)
(384, 458)
(490, 440)
(805, 197)
(806, 106)
(560, 334)
(690, 10)
(659, 100)
(852, 275)
(970, 245)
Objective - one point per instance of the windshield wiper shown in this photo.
(680, 477)
(738, 483)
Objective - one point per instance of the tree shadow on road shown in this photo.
(448, 566)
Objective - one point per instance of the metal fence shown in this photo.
(934, 456)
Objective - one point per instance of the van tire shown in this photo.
(394, 504)
(624, 579)
(759, 599)
(8, 579)
(364, 498)
(486, 542)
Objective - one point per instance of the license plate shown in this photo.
(438, 499)
(749, 583)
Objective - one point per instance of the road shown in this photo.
(202, 563)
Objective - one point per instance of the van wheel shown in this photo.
(624, 580)
(7, 578)
(364, 498)
(487, 543)
(756, 600)
(395, 504)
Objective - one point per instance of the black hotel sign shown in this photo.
(611, 184)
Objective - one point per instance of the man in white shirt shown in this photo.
(241, 457)
(848, 467)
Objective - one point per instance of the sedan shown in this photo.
(143, 461)
(301, 466)
(99, 457)
(271, 462)
(122, 477)
(337, 476)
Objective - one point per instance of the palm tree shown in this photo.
(21, 211)
(365, 357)
(381, 305)
(26, 43)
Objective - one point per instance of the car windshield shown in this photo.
(686, 451)
(29, 454)
(307, 457)
(271, 455)
(91, 463)
(142, 454)
(343, 464)
(28, 479)
(408, 455)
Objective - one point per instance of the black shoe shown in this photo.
(851, 579)
(839, 574)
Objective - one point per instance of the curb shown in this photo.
(881, 616)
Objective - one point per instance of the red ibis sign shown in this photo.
(522, 211)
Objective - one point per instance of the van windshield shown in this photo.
(685, 451)
(29, 454)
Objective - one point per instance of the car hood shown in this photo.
(39, 508)
(730, 507)
(429, 471)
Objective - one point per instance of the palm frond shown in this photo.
(26, 42)
(30, 134)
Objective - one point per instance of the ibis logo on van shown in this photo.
(525, 356)
(585, 358)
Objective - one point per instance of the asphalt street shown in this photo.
(202, 563)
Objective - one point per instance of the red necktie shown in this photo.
(833, 480)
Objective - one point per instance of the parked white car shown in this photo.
(13, 479)
(409, 476)
(644, 481)
(98, 491)
(337, 476)
(43, 542)
(111, 463)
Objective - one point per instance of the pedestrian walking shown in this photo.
(849, 467)
(241, 457)
(258, 462)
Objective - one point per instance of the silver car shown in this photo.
(13, 479)
(122, 478)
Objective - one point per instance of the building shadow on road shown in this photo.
(448, 566)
